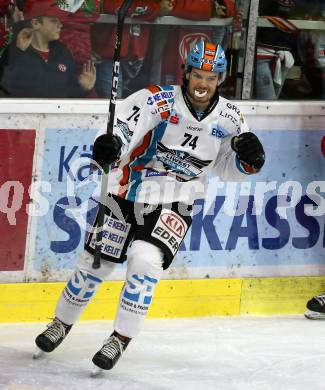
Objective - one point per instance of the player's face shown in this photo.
(50, 28)
(202, 85)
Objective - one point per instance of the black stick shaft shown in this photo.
(112, 105)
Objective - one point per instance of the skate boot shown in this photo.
(53, 336)
(110, 352)
(316, 308)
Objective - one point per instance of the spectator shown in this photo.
(310, 10)
(76, 30)
(134, 44)
(41, 66)
(5, 35)
(9, 14)
(312, 51)
(311, 46)
(181, 39)
(287, 45)
(274, 50)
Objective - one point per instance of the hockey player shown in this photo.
(166, 139)
(316, 305)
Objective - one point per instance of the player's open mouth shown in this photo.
(200, 94)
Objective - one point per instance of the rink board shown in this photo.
(34, 302)
(44, 243)
(259, 261)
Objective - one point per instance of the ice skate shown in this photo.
(316, 308)
(51, 338)
(109, 354)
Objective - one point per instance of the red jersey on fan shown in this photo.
(76, 30)
(135, 37)
(200, 9)
(76, 17)
(4, 33)
(4, 4)
(182, 39)
(192, 10)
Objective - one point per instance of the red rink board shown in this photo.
(16, 164)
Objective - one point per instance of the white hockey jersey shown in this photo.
(167, 152)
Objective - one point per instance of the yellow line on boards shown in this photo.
(33, 302)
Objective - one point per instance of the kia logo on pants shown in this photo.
(173, 223)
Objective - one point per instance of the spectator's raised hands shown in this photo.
(87, 77)
(24, 38)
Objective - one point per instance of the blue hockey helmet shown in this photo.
(207, 56)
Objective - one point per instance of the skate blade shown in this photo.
(314, 315)
(96, 371)
(38, 353)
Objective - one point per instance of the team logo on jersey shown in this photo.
(180, 162)
(141, 10)
(219, 131)
(189, 41)
(124, 128)
(174, 119)
(69, 5)
(62, 68)
(135, 30)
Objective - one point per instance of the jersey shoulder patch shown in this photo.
(161, 99)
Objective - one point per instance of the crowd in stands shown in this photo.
(60, 48)
(290, 61)
(64, 48)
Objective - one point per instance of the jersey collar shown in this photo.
(214, 101)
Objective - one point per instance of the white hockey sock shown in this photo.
(143, 273)
(81, 287)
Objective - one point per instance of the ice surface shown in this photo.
(223, 353)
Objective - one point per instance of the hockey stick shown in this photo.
(112, 104)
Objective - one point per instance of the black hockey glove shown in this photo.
(107, 149)
(249, 151)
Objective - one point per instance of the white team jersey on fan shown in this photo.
(167, 151)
